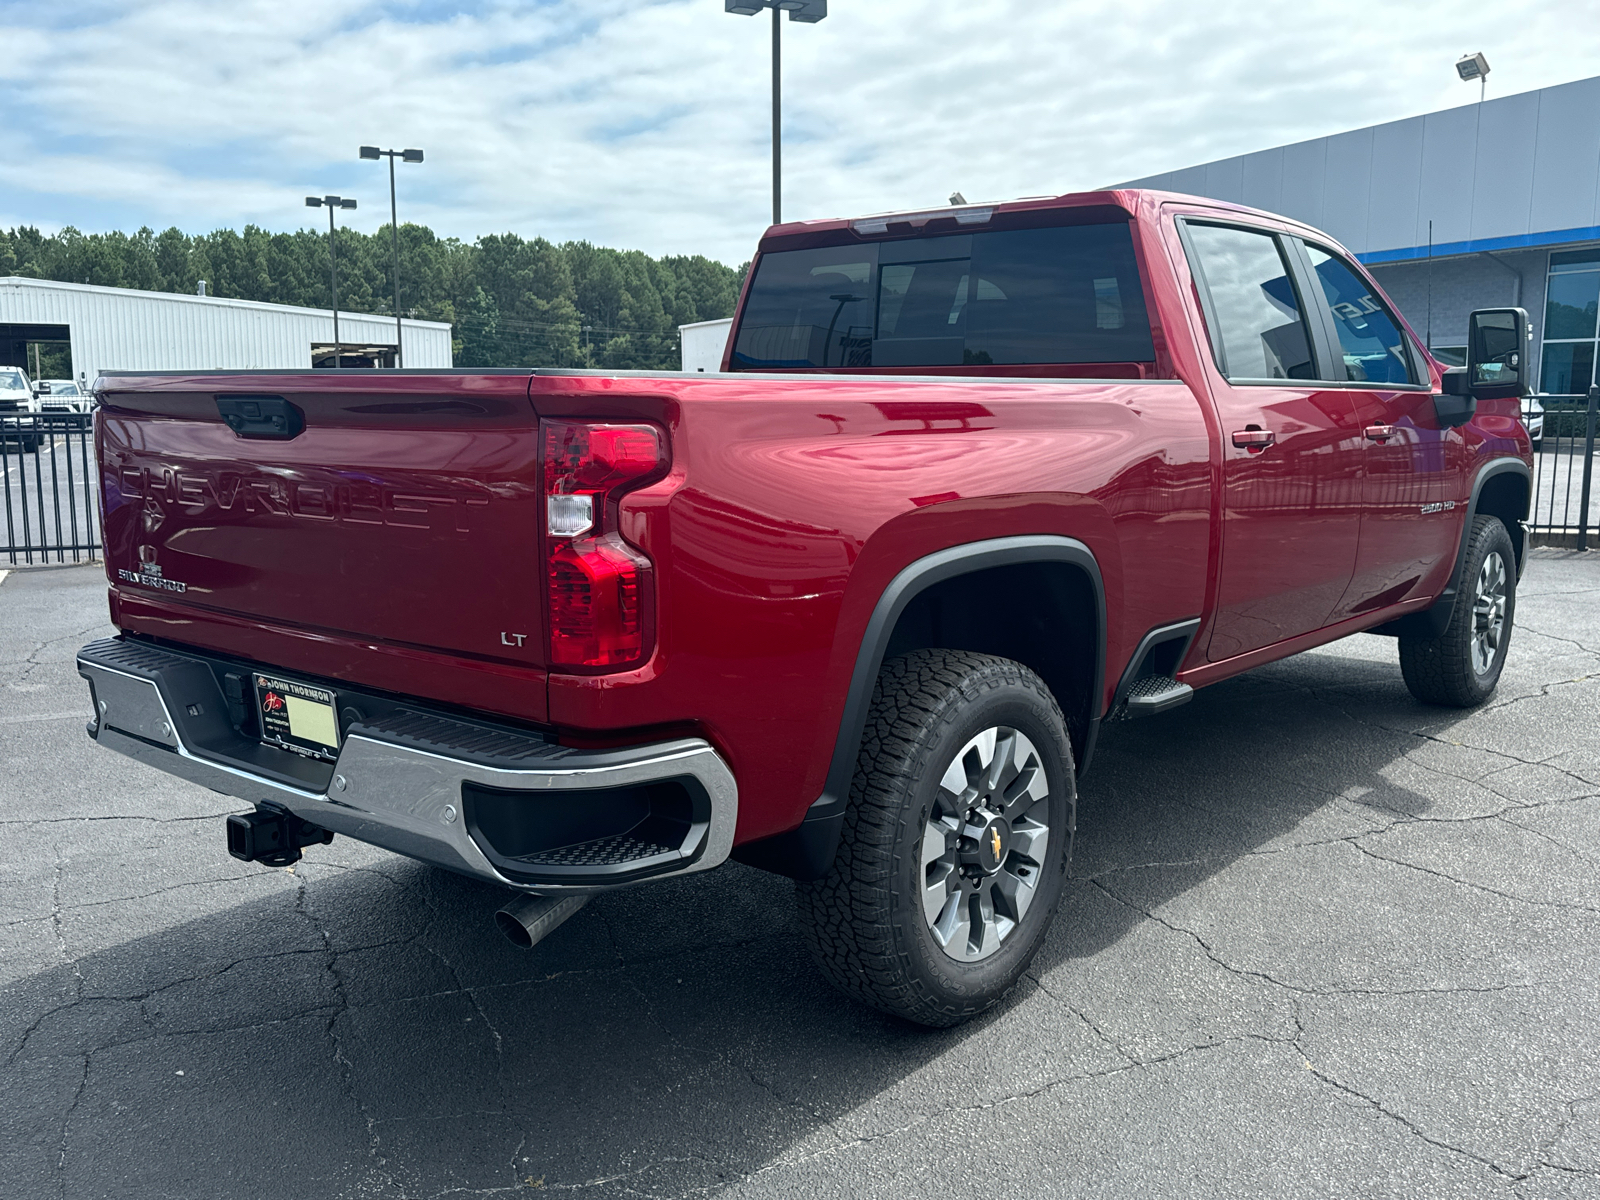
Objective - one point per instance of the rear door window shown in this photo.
(1370, 340)
(1031, 296)
(1258, 325)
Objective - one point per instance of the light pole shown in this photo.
(333, 202)
(1474, 66)
(807, 12)
(411, 156)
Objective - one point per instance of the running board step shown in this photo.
(1156, 694)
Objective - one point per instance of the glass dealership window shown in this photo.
(1571, 322)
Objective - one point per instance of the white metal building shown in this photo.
(1509, 190)
(112, 329)
(702, 344)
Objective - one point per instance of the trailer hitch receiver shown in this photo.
(272, 838)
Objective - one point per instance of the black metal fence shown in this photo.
(1566, 497)
(52, 507)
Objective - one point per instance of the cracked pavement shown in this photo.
(1319, 940)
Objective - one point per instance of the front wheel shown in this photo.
(1460, 667)
(956, 839)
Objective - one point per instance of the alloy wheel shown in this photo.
(1488, 612)
(984, 845)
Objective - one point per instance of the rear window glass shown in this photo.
(1065, 295)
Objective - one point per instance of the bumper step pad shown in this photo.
(603, 852)
(479, 744)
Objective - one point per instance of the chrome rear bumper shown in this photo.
(405, 782)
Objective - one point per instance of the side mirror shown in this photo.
(41, 389)
(1497, 353)
(1497, 365)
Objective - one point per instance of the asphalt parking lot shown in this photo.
(1321, 941)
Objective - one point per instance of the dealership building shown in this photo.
(120, 329)
(1507, 192)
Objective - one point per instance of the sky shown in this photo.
(645, 124)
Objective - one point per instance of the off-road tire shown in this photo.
(1441, 670)
(864, 921)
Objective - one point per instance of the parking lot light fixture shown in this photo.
(1474, 66)
(807, 12)
(410, 156)
(331, 203)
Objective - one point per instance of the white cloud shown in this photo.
(645, 124)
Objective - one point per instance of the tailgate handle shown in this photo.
(261, 416)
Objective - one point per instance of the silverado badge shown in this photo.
(149, 573)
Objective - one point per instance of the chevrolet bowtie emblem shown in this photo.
(994, 842)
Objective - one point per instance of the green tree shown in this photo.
(512, 301)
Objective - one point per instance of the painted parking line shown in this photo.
(31, 717)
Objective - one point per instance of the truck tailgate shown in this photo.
(403, 516)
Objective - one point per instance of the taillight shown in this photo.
(597, 583)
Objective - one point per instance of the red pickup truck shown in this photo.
(972, 482)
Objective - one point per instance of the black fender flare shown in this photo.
(1433, 621)
(806, 852)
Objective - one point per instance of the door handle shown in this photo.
(1253, 438)
(1379, 433)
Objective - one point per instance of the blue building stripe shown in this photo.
(1520, 241)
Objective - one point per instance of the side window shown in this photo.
(1260, 331)
(1374, 349)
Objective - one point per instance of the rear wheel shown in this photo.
(1460, 667)
(956, 839)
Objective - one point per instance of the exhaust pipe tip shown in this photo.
(528, 920)
(514, 930)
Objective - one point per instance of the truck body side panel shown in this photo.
(793, 502)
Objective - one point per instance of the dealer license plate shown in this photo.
(297, 716)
